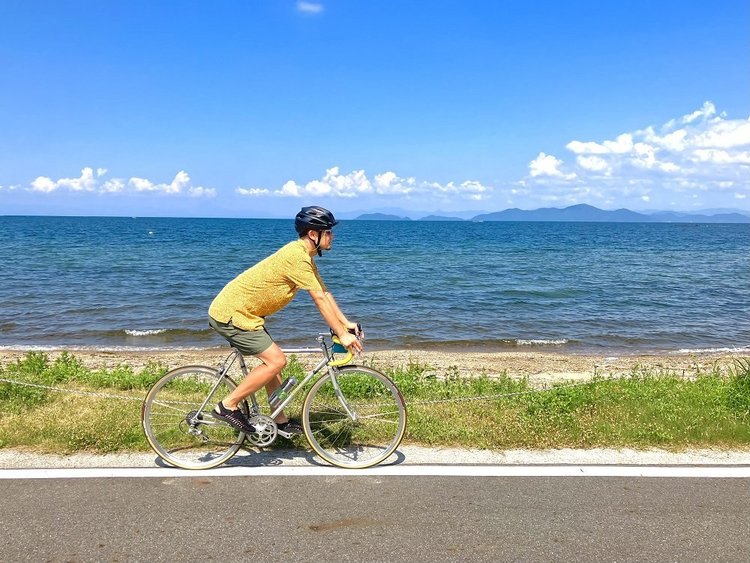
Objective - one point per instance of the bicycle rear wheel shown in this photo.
(362, 430)
(180, 433)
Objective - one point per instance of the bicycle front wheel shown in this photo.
(178, 430)
(360, 428)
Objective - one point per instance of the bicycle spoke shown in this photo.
(180, 434)
(373, 431)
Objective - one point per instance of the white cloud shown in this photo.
(92, 182)
(85, 182)
(391, 183)
(252, 191)
(593, 163)
(621, 145)
(112, 186)
(142, 185)
(200, 191)
(708, 110)
(547, 165)
(309, 7)
(697, 152)
(356, 183)
(717, 156)
(176, 186)
(43, 184)
(724, 134)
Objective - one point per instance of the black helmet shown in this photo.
(314, 218)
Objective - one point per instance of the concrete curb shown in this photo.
(406, 455)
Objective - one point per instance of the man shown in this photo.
(238, 311)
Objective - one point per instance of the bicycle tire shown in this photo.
(354, 443)
(169, 407)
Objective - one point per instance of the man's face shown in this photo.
(326, 239)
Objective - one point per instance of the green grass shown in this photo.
(642, 410)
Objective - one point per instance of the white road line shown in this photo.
(391, 470)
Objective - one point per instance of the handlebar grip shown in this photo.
(338, 348)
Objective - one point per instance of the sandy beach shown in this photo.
(540, 367)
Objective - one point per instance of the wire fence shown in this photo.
(70, 391)
(616, 372)
(491, 397)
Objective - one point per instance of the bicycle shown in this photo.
(353, 416)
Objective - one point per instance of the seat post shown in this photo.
(243, 365)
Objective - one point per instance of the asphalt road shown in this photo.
(375, 518)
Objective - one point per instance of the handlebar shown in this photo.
(339, 348)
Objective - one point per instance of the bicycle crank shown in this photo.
(265, 430)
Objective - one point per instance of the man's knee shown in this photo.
(275, 360)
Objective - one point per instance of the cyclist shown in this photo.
(237, 313)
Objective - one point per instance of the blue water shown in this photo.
(619, 287)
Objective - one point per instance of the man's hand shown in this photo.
(355, 329)
(351, 342)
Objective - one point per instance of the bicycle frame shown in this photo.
(327, 361)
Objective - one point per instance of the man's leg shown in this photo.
(267, 374)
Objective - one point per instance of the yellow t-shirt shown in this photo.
(266, 287)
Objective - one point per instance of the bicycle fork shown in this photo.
(337, 389)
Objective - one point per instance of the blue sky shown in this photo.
(256, 108)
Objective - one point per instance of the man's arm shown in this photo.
(339, 314)
(335, 319)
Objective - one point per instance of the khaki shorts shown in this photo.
(249, 342)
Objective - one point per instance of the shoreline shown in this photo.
(540, 367)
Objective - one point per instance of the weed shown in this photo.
(644, 409)
(738, 394)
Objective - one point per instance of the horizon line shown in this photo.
(423, 214)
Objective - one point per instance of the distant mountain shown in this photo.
(380, 217)
(720, 211)
(673, 217)
(440, 218)
(588, 213)
(580, 212)
(466, 215)
(409, 213)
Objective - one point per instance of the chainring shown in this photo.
(266, 430)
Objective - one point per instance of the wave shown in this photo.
(117, 339)
(724, 350)
(158, 332)
(145, 332)
(103, 348)
(458, 345)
